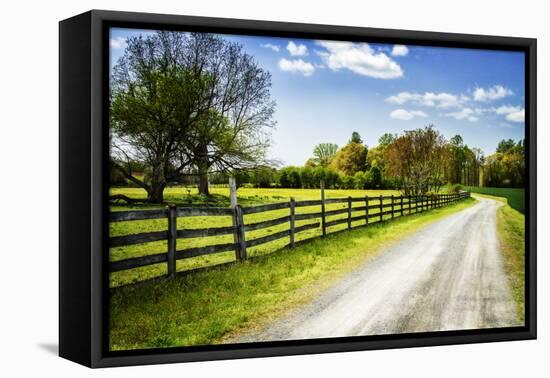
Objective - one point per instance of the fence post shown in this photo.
(392, 208)
(323, 222)
(409, 204)
(233, 191)
(366, 209)
(349, 213)
(381, 208)
(401, 204)
(240, 248)
(292, 219)
(172, 237)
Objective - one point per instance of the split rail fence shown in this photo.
(371, 210)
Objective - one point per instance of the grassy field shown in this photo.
(515, 196)
(246, 197)
(511, 233)
(205, 306)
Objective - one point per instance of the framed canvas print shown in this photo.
(233, 188)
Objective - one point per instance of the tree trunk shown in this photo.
(202, 166)
(203, 181)
(156, 193)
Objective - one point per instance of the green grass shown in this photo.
(515, 196)
(511, 233)
(246, 197)
(208, 306)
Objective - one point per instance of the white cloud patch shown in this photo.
(465, 113)
(297, 66)
(512, 113)
(273, 47)
(117, 43)
(359, 58)
(518, 116)
(439, 100)
(296, 50)
(400, 50)
(507, 109)
(406, 115)
(493, 93)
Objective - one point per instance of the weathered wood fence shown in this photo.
(371, 210)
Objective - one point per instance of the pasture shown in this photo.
(514, 196)
(220, 197)
(209, 305)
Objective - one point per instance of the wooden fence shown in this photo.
(374, 210)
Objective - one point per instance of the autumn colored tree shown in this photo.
(416, 159)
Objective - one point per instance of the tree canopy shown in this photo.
(188, 102)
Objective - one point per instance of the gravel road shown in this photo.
(447, 276)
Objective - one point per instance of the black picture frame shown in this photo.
(83, 227)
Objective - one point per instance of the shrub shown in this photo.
(456, 188)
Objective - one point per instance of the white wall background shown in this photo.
(28, 161)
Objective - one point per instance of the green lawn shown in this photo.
(246, 197)
(206, 306)
(511, 233)
(515, 196)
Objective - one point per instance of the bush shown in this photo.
(456, 188)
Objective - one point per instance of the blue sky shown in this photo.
(325, 90)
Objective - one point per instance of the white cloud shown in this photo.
(495, 92)
(512, 113)
(297, 65)
(359, 58)
(465, 113)
(440, 100)
(507, 109)
(296, 50)
(399, 50)
(275, 48)
(118, 43)
(406, 115)
(518, 116)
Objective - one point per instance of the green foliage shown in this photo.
(324, 153)
(350, 159)
(356, 138)
(456, 188)
(506, 167)
(505, 145)
(386, 139)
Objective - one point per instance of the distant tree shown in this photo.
(374, 178)
(386, 139)
(506, 145)
(352, 157)
(416, 160)
(323, 153)
(360, 180)
(356, 138)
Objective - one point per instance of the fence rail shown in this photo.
(398, 206)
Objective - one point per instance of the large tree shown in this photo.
(154, 103)
(188, 102)
(234, 132)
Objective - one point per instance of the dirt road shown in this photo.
(448, 276)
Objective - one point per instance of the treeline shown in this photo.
(506, 167)
(416, 162)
